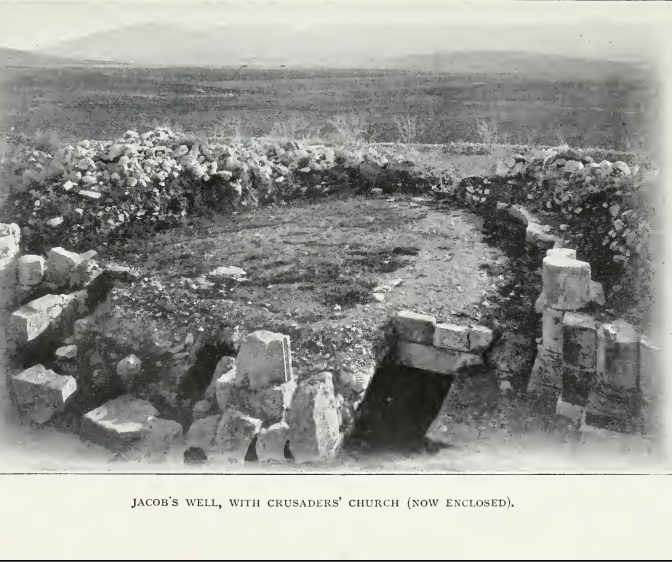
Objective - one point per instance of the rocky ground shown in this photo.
(329, 271)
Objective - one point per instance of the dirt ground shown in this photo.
(329, 274)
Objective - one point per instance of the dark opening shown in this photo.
(251, 455)
(398, 408)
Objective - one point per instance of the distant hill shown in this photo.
(270, 46)
(17, 58)
(524, 64)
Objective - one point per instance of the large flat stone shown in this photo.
(264, 359)
(120, 421)
(35, 317)
(41, 392)
(434, 359)
(314, 432)
(417, 328)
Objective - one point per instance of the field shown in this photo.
(613, 113)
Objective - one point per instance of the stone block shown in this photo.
(264, 359)
(314, 432)
(566, 282)
(203, 409)
(41, 392)
(158, 442)
(30, 270)
(270, 404)
(417, 328)
(119, 421)
(562, 252)
(551, 331)
(202, 432)
(618, 356)
(451, 336)
(429, 358)
(223, 386)
(579, 343)
(67, 352)
(546, 377)
(535, 235)
(235, 432)
(128, 369)
(67, 268)
(35, 317)
(271, 442)
(577, 384)
(480, 338)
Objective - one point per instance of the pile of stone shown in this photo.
(138, 181)
(257, 399)
(569, 184)
(591, 372)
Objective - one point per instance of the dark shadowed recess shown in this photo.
(398, 407)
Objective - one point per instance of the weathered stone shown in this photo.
(67, 268)
(224, 365)
(264, 359)
(566, 282)
(270, 404)
(30, 270)
(314, 431)
(203, 409)
(235, 432)
(579, 343)
(41, 393)
(417, 328)
(552, 335)
(577, 384)
(202, 432)
(271, 442)
(223, 386)
(429, 358)
(120, 421)
(359, 379)
(35, 317)
(618, 356)
(67, 352)
(158, 442)
(534, 234)
(480, 338)
(562, 252)
(10, 236)
(613, 402)
(546, 377)
(451, 336)
(597, 293)
(128, 369)
(520, 214)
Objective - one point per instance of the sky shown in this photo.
(584, 30)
